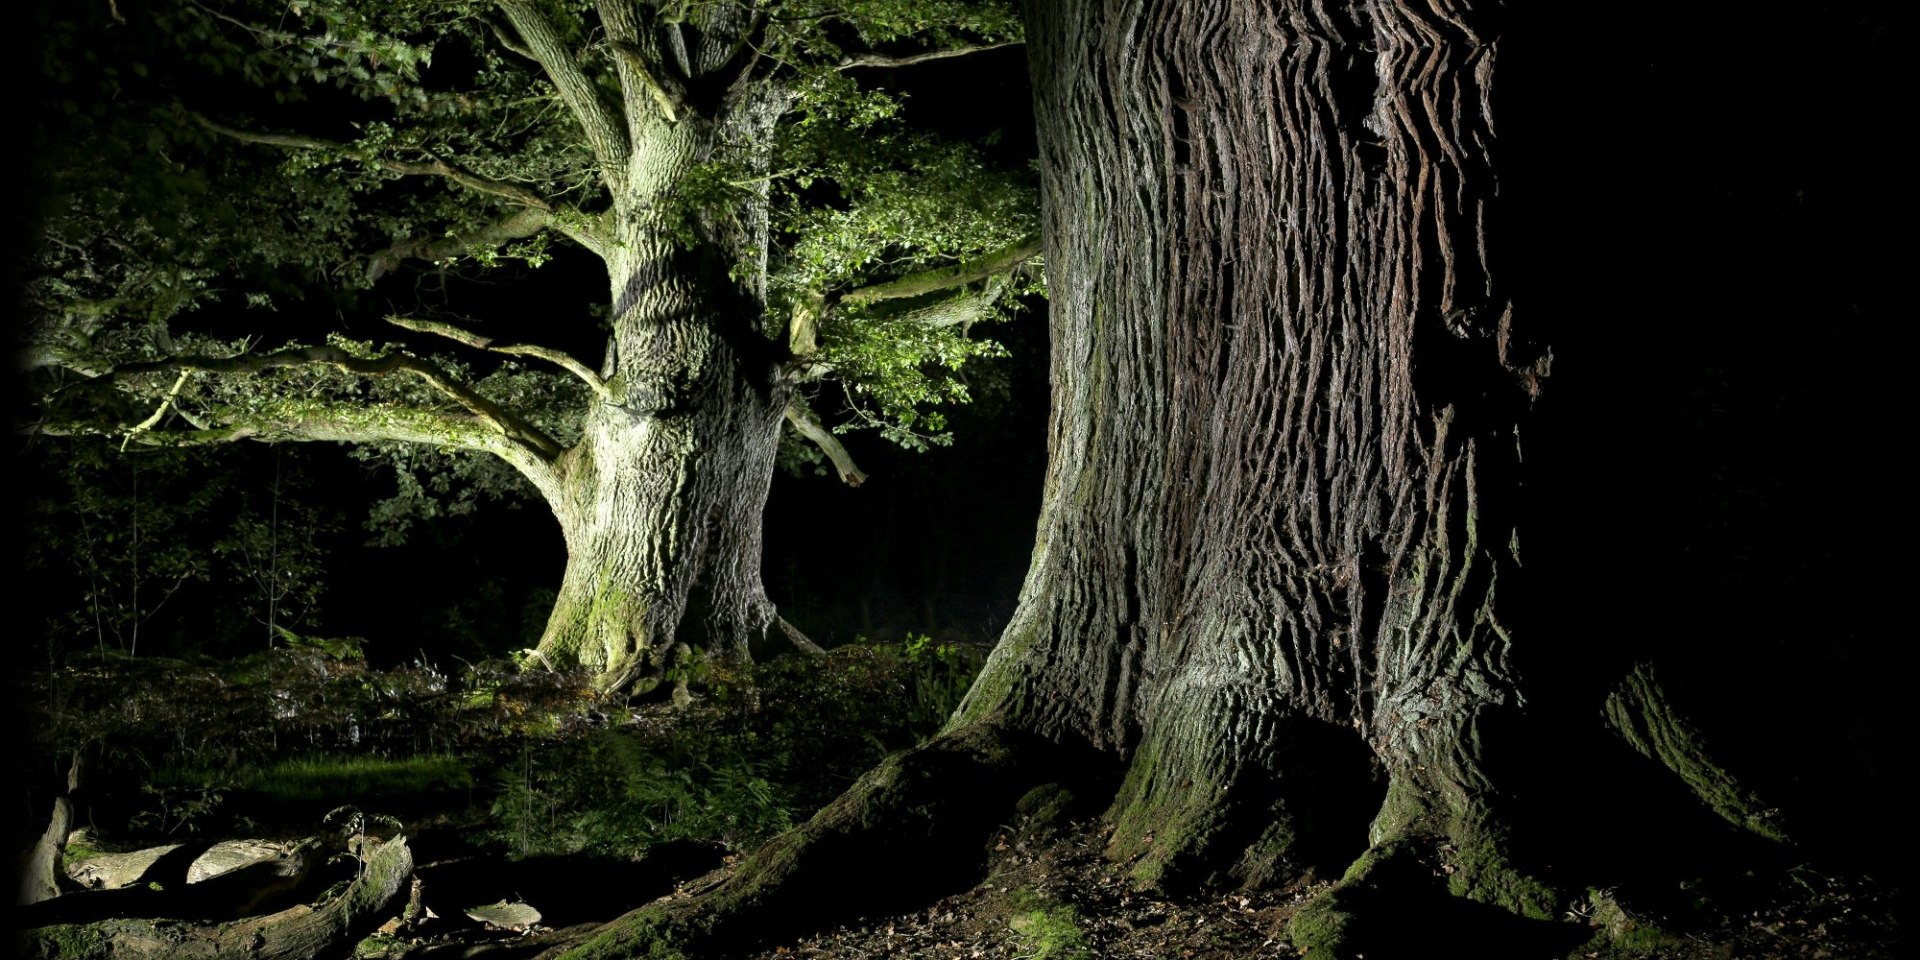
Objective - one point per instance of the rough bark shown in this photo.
(1278, 525)
(1277, 591)
(661, 499)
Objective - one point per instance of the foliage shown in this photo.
(181, 552)
(183, 747)
(276, 549)
(320, 776)
(937, 677)
(129, 547)
(174, 231)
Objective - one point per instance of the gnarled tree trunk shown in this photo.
(661, 500)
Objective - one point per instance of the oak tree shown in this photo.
(766, 219)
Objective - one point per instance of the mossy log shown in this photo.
(172, 892)
(296, 933)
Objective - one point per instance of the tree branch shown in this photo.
(946, 278)
(434, 168)
(521, 223)
(509, 42)
(506, 423)
(305, 419)
(604, 129)
(639, 77)
(803, 420)
(479, 341)
(881, 60)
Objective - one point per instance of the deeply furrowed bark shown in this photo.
(1279, 521)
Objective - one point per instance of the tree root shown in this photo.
(296, 933)
(914, 827)
(1639, 711)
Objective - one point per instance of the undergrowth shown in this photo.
(532, 762)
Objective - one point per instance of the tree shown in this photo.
(764, 220)
(1277, 619)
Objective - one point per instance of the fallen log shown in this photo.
(296, 933)
(237, 893)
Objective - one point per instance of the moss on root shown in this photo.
(1478, 870)
(1639, 711)
(1391, 903)
(1327, 927)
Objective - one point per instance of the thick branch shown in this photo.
(946, 278)
(639, 77)
(433, 168)
(517, 225)
(310, 420)
(882, 60)
(508, 425)
(478, 341)
(810, 427)
(958, 310)
(599, 119)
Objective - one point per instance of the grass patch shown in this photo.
(322, 777)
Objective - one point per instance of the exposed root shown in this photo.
(918, 824)
(1639, 711)
(297, 932)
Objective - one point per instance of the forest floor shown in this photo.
(1061, 899)
(584, 814)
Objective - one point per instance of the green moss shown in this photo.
(641, 934)
(1326, 927)
(1619, 933)
(1480, 871)
(1048, 930)
(1044, 808)
(65, 941)
(1638, 710)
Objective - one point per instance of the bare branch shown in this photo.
(434, 168)
(479, 341)
(803, 420)
(881, 60)
(605, 130)
(509, 425)
(159, 412)
(946, 278)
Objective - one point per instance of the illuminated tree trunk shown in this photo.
(661, 501)
(1279, 531)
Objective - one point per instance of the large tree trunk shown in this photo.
(661, 501)
(661, 509)
(1279, 528)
